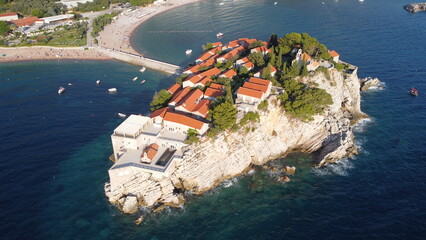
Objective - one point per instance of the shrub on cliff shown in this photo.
(192, 137)
(303, 102)
(250, 117)
(4, 28)
(160, 100)
(224, 115)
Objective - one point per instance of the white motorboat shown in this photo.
(98, 82)
(142, 69)
(188, 51)
(112, 90)
(219, 34)
(122, 115)
(143, 81)
(275, 3)
(69, 84)
(61, 90)
(134, 79)
(221, 3)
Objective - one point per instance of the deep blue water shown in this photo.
(55, 148)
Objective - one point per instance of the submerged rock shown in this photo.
(285, 179)
(139, 220)
(290, 170)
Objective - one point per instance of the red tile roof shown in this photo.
(203, 107)
(209, 62)
(7, 14)
(259, 81)
(333, 53)
(193, 69)
(204, 81)
(212, 92)
(180, 95)
(256, 86)
(216, 86)
(159, 112)
(190, 101)
(194, 79)
(184, 120)
(250, 92)
(230, 73)
(210, 72)
(150, 151)
(172, 89)
(248, 65)
(305, 57)
(216, 49)
(205, 56)
(233, 44)
(217, 44)
(25, 21)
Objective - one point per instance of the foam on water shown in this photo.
(340, 168)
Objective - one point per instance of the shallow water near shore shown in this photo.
(55, 148)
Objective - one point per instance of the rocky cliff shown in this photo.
(415, 7)
(208, 163)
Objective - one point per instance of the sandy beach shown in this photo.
(45, 53)
(115, 36)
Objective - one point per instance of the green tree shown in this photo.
(257, 59)
(305, 71)
(250, 117)
(4, 28)
(255, 44)
(37, 12)
(192, 136)
(266, 72)
(160, 100)
(208, 46)
(224, 115)
(263, 105)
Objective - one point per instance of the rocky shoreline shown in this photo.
(415, 7)
(207, 164)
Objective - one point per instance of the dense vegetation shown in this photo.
(160, 100)
(4, 28)
(100, 22)
(96, 5)
(38, 8)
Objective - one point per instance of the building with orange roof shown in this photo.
(191, 70)
(9, 16)
(230, 73)
(334, 55)
(179, 96)
(191, 81)
(212, 93)
(248, 65)
(149, 153)
(231, 54)
(25, 22)
(159, 114)
(252, 93)
(204, 57)
(216, 44)
(304, 58)
(241, 61)
(210, 73)
(272, 71)
(216, 86)
(256, 87)
(263, 82)
(181, 123)
(263, 49)
(203, 82)
(202, 108)
(174, 88)
(190, 101)
(231, 45)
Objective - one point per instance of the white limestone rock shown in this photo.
(130, 205)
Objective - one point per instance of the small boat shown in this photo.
(275, 3)
(219, 34)
(122, 115)
(142, 69)
(69, 84)
(221, 3)
(361, 0)
(61, 90)
(143, 81)
(188, 51)
(134, 79)
(414, 92)
(112, 90)
(98, 82)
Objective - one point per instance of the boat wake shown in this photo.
(341, 168)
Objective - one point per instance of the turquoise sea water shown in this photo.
(55, 148)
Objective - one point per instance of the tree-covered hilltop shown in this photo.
(38, 8)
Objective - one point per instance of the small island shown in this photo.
(415, 7)
(241, 103)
